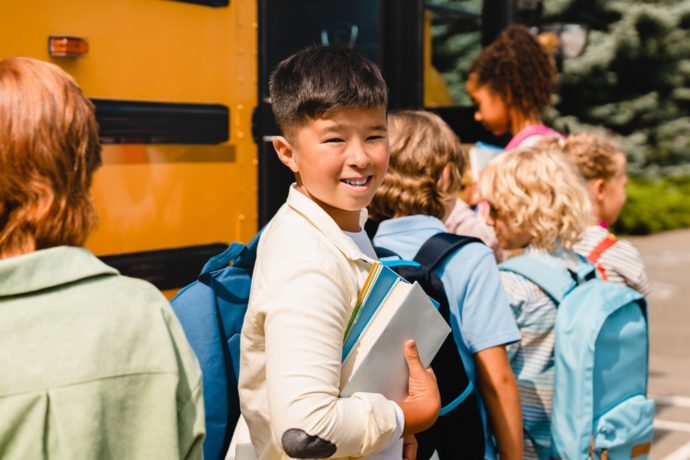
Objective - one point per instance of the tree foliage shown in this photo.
(455, 45)
(634, 78)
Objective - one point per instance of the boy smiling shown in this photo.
(312, 259)
(339, 160)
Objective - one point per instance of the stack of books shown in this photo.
(388, 312)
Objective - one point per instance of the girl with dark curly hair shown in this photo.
(511, 82)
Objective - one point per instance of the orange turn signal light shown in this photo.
(62, 46)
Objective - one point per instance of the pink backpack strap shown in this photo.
(536, 130)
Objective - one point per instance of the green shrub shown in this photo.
(655, 205)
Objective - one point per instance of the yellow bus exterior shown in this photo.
(181, 95)
(153, 196)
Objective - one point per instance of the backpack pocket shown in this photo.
(625, 431)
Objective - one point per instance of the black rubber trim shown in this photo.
(165, 268)
(137, 122)
(207, 2)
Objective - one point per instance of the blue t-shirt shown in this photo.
(480, 315)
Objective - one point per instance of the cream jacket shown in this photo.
(304, 288)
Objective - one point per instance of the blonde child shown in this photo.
(312, 260)
(537, 205)
(603, 166)
(511, 82)
(419, 191)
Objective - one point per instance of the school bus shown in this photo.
(174, 85)
(181, 96)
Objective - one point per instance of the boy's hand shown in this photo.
(409, 447)
(423, 402)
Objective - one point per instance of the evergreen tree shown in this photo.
(456, 42)
(633, 79)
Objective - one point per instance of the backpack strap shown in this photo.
(535, 130)
(554, 283)
(382, 252)
(438, 247)
(584, 271)
(239, 253)
(599, 250)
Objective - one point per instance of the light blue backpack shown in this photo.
(600, 405)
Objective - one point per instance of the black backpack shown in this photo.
(458, 432)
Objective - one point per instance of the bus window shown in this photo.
(452, 39)
(454, 32)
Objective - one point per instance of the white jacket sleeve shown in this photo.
(306, 310)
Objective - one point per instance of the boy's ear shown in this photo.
(286, 153)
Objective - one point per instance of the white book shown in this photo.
(375, 362)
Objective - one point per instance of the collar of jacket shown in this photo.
(48, 268)
(325, 224)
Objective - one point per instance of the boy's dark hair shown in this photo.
(320, 79)
(518, 68)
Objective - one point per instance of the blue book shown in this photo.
(377, 286)
(389, 311)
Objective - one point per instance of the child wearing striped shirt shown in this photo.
(538, 205)
(602, 164)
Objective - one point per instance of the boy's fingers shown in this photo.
(412, 355)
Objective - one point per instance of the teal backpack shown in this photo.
(211, 310)
(601, 353)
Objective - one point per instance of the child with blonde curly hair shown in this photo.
(538, 206)
(603, 166)
(418, 192)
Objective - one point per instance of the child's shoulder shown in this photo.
(289, 235)
(599, 239)
(290, 244)
(627, 249)
(592, 236)
(475, 258)
(520, 287)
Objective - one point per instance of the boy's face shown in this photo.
(491, 109)
(613, 194)
(339, 160)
